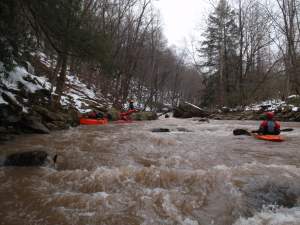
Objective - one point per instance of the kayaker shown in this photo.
(269, 125)
(95, 115)
(92, 115)
(99, 115)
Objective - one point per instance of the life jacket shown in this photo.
(270, 127)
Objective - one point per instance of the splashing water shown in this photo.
(125, 174)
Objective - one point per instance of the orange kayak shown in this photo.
(87, 121)
(275, 138)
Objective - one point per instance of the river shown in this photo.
(124, 174)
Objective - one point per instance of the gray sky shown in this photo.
(182, 18)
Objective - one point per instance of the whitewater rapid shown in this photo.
(197, 174)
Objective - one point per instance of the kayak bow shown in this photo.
(275, 138)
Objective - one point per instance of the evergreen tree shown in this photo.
(15, 37)
(219, 50)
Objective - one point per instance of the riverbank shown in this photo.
(283, 112)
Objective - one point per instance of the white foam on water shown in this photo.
(101, 194)
(281, 216)
(173, 212)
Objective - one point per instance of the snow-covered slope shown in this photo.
(16, 81)
(80, 96)
(76, 94)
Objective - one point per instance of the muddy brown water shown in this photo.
(124, 174)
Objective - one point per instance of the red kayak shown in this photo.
(87, 121)
(275, 138)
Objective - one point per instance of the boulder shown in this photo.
(203, 120)
(182, 129)
(33, 124)
(30, 158)
(73, 117)
(188, 111)
(58, 125)
(47, 115)
(241, 132)
(156, 130)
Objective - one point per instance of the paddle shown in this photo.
(283, 130)
(248, 133)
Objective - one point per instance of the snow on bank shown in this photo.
(18, 79)
(269, 105)
(274, 104)
(80, 95)
(76, 94)
(32, 83)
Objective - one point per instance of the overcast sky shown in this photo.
(182, 18)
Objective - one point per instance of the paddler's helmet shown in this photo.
(269, 115)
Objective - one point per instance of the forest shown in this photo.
(248, 52)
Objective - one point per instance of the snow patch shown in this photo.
(19, 75)
(294, 96)
(80, 95)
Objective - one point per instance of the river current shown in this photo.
(124, 174)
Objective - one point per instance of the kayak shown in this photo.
(275, 138)
(87, 121)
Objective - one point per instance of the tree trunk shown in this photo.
(60, 81)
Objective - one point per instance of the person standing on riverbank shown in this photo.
(131, 105)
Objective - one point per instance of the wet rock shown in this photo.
(160, 130)
(13, 103)
(167, 116)
(5, 134)
(47, 115)
(203, 120)
(33, 124)
(241, 132)
(225, 109)
(73, 117)
(31, 158)
(182, 129)
(217, 118)
(58, 125)
(188, 111)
